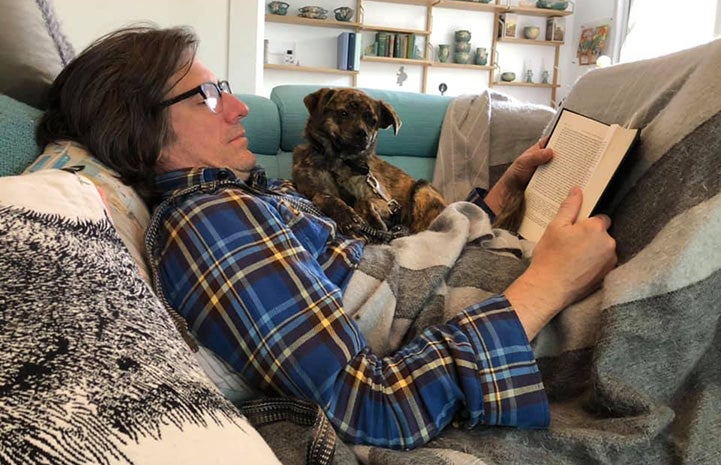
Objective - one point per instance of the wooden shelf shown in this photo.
(548, 43)
(271, 18)
(404, 61)
(308, 69)
(469, 8)
(525, 84)
(466, 5)
(438, 64)
(406, 2)
(530, 11)
(418, 32)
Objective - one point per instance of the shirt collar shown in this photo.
(168, 183)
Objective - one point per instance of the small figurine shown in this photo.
(401, 76)
(529, 76)
(544, 76)
(443, 88)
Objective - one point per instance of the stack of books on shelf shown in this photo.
(395, 45)
(349, 51)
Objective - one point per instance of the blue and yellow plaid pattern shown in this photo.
(260, 283)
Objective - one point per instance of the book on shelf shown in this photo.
(354, 51)
(411, 46)
(382, 38)
(350, 53)
(343, 46)
(587, 153)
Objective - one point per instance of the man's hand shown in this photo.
(571, 259)
(517, 176)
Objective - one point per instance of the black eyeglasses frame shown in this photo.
(220, 86)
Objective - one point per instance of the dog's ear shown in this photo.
(316, 101)
(388, 116)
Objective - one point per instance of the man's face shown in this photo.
(203, 138)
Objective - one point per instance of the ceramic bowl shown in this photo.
(552, 4)
(461, 57)
(463, 36)
(312, 10)
(278, 8)
(343, 13)
(508, 76)
(531, 32)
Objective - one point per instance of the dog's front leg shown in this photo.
(369, 211)
(346, 218)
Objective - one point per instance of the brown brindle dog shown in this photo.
(340, 172)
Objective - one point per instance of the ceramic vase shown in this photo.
(462, 46)
(481, 56)
(444, 51)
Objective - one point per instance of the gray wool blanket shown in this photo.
(633, 371)
(480, 137)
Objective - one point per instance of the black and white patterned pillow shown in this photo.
(92, 369)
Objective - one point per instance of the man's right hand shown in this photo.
(569, 262)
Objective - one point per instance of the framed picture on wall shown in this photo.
(508, 26)
(592, 43)
(556, 28)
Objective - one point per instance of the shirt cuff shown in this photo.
(476, 196)
(513, 392)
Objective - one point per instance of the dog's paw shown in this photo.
(347, 220)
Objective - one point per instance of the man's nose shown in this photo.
(235, 107)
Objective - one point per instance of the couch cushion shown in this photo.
(421, 114)
(33, 50)
(262, 125)
(127, 210)
(94, 370)
(17, 135)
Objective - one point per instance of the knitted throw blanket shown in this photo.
(633, 372)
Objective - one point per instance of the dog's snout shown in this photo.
(362, 133)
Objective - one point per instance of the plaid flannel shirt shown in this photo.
(260, 283)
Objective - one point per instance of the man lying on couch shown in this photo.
(260, 281)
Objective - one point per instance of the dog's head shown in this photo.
(346, 121)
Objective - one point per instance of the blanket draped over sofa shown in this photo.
(633, 371)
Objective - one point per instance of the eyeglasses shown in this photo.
(210, 91)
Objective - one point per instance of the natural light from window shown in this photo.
(658, 27)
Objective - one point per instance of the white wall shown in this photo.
(85, 20)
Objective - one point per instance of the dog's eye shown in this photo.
(343, 114)
(370, 118)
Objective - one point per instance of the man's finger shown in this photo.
(568, 211)
(604, 219)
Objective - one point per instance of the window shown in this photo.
(658, 27)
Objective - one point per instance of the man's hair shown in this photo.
(107, 99)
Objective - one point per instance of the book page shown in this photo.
(578, 145)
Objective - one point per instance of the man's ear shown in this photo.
(388, 116)
(316, 101)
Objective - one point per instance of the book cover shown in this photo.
(350, 56)
(587, 153)
(411, 48)
(343, 45)
(396, 46)
(357, 52)
(382, 40)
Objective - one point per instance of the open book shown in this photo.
(587, 153)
